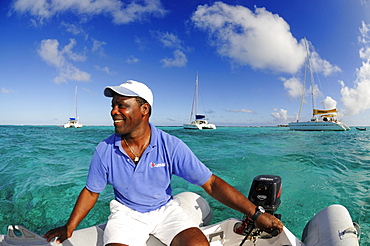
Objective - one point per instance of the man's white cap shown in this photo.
(131, 88)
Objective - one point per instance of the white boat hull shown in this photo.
(332, 226)
(73, 125)
(202, 126)
(318, 126)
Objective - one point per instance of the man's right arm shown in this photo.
(84, 204)
(231, 197)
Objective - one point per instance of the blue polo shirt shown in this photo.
(146, 186)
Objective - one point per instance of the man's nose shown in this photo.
(114, 110)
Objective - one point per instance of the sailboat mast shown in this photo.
(304, 83)
(76, 104)
(196, 94)
(194, 106)
(311, 81)
(309, 67)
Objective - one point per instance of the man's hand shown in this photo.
(269, 223)
(228, 195)
(61, 233)
(85, 202)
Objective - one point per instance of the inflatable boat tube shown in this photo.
(332, 226)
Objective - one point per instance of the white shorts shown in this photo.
(130, 227)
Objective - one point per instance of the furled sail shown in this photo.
(324, 111)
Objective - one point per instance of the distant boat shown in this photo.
(322, 120)
(73, 122)
(361, 128)
(200, 121)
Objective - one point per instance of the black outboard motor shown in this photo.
(265, 191)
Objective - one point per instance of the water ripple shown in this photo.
(44, 168)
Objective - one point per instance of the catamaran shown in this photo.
(200, 121)
(322, 119)
(73, 122)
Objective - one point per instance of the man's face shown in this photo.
(126, 114)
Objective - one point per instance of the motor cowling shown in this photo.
(265, 191)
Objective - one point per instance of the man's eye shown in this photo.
(119, 105)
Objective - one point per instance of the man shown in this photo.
(138, 161)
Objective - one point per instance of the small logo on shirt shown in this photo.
(157, 165)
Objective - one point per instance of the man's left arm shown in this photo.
(231, 197)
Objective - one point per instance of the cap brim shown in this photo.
(110, 90)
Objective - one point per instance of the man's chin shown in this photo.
(117, 130)
(120, 130)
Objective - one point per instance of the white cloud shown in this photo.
(120, 12)
(104, 69)
(281, 115)
(71, 28)
(357, 99)
(98, 47)
(132, 59)
(241, 111)
(259, 39)
(364, 53)
(49, 52)
(329, 103)
(67, 50)
(179, 60)
(61, 59)
(75, 29)
(314, 89)
(7, 91)
(294, 87)
(364, 31)
(365, 2)
(88, 91)
(172, 41)
(169, 40)
(142, 44)
(321, 65)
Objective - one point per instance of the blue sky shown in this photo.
(249, 56)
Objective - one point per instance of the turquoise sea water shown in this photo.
(43, 169)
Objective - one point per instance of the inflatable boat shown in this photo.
(331, 226)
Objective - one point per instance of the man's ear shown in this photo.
(145, 109)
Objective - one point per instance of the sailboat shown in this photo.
(200, 121)
(322, 119)
(73, 122)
